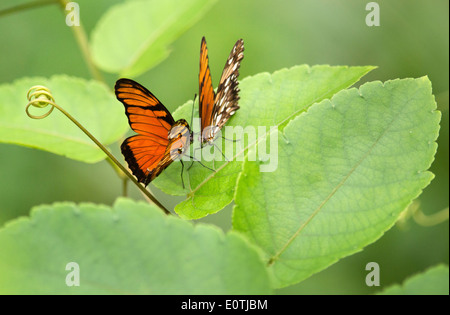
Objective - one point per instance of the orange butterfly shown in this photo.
(216, 109)
(160, 139)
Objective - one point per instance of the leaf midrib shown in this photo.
(272, 259)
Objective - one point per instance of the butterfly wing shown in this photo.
(144, 155)
(206, 91)
(227, 97)
(216, 109)
(146, 152)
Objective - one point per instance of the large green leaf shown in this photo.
(134, 36)
(346, 170)
(130, 249)
(90, 102)
(434, 281)
(266, 100)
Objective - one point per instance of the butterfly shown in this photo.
(216, 108)
(160, 139)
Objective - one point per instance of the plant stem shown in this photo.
(83, 44)
(82, 41)
(122, 176)
(125, 187)
(26, 6)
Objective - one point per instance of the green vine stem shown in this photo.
(40, 96)
(83, 43)
(26, 6)
(430, 219)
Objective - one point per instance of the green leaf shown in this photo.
(90, 102)
(130, 249)
(134, 36)
(266, 100)
(346, 170)
(434, 281)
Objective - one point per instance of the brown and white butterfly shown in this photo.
(216, 108)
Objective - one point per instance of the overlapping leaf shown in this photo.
(129, 249)
(433, 281)
(134, 36)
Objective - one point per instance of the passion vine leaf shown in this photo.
(90, 102)
(433, 281)
(131, 248)
(267, 100)
(134, 36)
(347, 167)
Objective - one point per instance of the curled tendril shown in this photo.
(39, 96)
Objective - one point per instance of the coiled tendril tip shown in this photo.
(39, 96)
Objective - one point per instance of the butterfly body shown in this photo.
(180, 137)
(216, 108)
(160, 139)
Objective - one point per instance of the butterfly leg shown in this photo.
(221, 152)
(194, 159)
(192, 163)
(212, 170)
(232, 140)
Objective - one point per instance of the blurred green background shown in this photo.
(412, 41)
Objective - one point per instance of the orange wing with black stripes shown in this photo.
(216, 108)
(157, 143)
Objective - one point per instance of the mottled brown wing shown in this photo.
(227, 96)
(146, 152)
